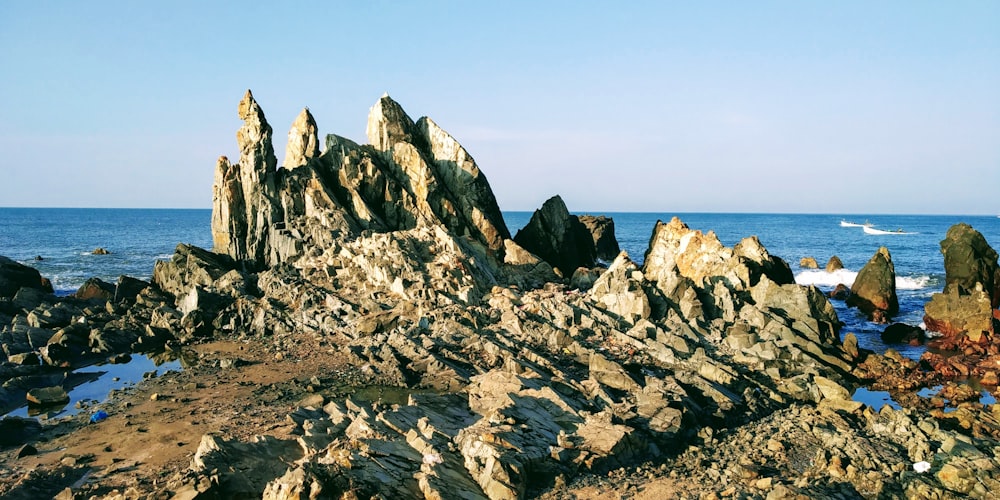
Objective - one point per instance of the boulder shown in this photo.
(840, 292)
(969, 259)
(100, 251)
(558, 237)
(874, 290)
(46, 396)
(808, 263)
(95, 288)
(128, 288)
(190, 266)
(834, 264)
(14, 276)
(16, 430)
(602, 231)
(952, 313)
(902, 333)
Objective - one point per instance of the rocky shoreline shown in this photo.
(366, 326)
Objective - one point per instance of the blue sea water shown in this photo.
(136, 238)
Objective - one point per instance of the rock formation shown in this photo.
(808, 263)
(414, 174)
(558, 237)
(14, 276)
(968, 260)
(602, 231)
(874, 289)
(834, 264)
(972, 276)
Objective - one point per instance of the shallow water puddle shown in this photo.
(102, 379)
(875, 399)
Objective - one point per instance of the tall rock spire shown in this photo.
(243, 205)
(303, 141)
(388, 124)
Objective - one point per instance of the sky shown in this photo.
(852, 107)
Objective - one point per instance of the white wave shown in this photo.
(164, 256)
(820, 277)
(914, 283)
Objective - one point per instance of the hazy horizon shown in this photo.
(774, 107)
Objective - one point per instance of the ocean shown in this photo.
(136, 238)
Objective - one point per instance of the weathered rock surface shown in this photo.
(968, 260)
(956, 314)
(903, 333)
(413, 174)
(874, 289)
(602, 231)
(558, 237)
(808, 263)
(834, 264)
(14, 276)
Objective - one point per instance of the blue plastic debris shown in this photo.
(98, 416)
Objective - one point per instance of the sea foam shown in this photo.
(820, 277)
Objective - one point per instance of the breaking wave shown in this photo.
(820, 277)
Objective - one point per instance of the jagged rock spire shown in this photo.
(303, 141)
(243, 206)
(388, 124)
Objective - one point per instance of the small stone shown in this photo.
(763, 483)
(68, 461)
(154, 397)
(26, 450)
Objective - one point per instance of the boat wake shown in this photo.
(871, 230)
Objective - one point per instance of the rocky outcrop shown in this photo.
(874, 289)
(968, 260)
(414, 174)
(956, 314)
(808, 263)
(602, 231)
(15, 276)
(964, 312)
(558, 237)
(903, 333)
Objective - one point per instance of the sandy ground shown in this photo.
(155, 427)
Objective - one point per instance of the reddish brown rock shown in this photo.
(840, 292)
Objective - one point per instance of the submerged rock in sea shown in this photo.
(874, 289)
(808, 263)
(834, 264)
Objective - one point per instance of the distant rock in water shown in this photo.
(558, 237)
(874, 290)
(808, 263)
(834, 264)
(100, 251)
(602, 231)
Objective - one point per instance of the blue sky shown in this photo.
(820, 107)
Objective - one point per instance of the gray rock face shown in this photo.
(874, 290)
(558, 237)
(14, 276)
(602, 231)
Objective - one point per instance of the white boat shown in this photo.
(844, 223)
(871, 230)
